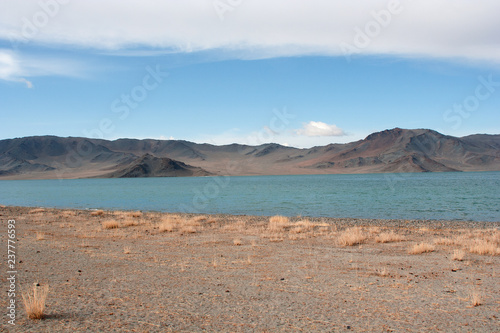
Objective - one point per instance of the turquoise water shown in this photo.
(462, 196)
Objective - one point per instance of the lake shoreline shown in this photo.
(339, 221)
(167, 272)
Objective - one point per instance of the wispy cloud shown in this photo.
(16, 67)
(264, 28)
(318, 128)
(10, 68)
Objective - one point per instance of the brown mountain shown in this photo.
(395, 150)
(150, 166)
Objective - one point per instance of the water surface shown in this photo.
(458, 195)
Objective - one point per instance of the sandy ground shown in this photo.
(216, 273)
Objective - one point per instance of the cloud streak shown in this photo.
(16, 67)
(262, 28)
(318, 128)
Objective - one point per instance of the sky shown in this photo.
(298, 73)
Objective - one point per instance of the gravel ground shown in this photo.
(226, 273)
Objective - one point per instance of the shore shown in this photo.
(114, 271)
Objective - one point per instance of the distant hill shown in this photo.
(394, 150)
(150, 166)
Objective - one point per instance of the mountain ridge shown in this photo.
(391, 150)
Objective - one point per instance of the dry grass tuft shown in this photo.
(135, 214)
(200, 218)
(278, 223)
(383, 272)
(34, 302)
(445, 241)
(458, 255)
(188, 229)
(69, 213)
(170, 223)
(238, 226)
(484, 247)
(110, 224)
(127, 250)
(388, 237)
(421, 248)
(40, 235)
(37, 210)
(97, 213)
(237, 241)
(352, 236)
(302, 226)
(130, 222)
(475, 298)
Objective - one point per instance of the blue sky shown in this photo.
(222, 73)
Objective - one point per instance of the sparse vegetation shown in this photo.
(444, 241)
(34, 301)
(130, 222)
(389, 237)
(278, 223)
(458, 255)
(127, 250)
(188, 229)
(40, 235)
(484, 247)
(237, 241)
(421, 248)
(169, 223)
(351, 236)
(110, 224)
(135, 214)
(97, 213)
(383, 272)
(37, 210)
(476, 299)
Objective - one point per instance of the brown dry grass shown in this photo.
(34, 302)
(237, 241)
(445, 241)
(476, 298)
(389, 237)
(421, 248)
(37, 210)
(40, 235)
(97, 213)
(458, 255)
(188, 229)
(130, 222)
(110, 224)
(169, 223)
(135, 214)
(302, 226)
(278, 223)
(351, 236)
(484, 247)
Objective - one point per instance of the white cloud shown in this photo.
(15, 67)
(318, 128)
(10, 69)
(262, 28)
(265, 135)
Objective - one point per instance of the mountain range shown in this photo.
(394, 150)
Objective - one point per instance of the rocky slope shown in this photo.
(395, 150)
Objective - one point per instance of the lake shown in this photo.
(473, 196)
